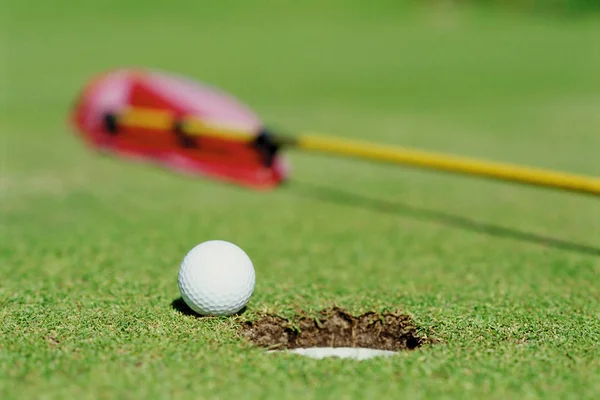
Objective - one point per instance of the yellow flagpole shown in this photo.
(164, 120)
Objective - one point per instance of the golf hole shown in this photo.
(335, 333)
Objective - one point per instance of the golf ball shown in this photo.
(216, 278)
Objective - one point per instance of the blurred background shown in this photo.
(514, 81)
(389, 63)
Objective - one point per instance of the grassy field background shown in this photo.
(505, 276)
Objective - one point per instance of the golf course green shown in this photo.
(504, 277)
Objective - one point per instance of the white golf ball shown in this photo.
(216, 278)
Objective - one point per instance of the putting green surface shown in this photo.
(505, 276)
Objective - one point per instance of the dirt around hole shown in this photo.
(334, 327)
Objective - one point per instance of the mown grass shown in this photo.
(505, 276)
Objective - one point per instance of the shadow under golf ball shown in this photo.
(180, 306)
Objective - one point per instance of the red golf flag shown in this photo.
(115, 91)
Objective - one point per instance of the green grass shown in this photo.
(90, 246)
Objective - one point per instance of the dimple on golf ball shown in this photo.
(216, 278)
